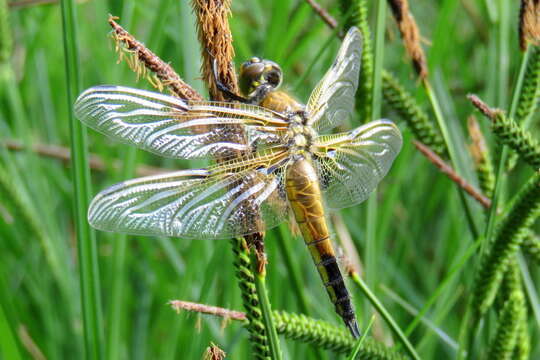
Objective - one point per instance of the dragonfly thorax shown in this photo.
(300, 134)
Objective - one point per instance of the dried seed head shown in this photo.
(529, 23)
(478, 146)
(410, 35)
(481, 158)
(213, 352)
(216, 43)
(148, 65)
(482, 106)
(178, 305)
(452, 174)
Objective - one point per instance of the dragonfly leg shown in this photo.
(222, 87)
(256, 241)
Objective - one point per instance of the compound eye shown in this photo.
(274, 77)
(250, 73)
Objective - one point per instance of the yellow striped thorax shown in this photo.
(300, 135)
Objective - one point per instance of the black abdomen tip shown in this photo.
(353, 327)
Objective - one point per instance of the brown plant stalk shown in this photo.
(481, 158)
(478, 146)
(216, 43)
(141, 60)
(213, 352)
(529, 23)
(482, 106)
(63, 154)
(323, 14)
(410, 35)
(178, 305)
(23, 3)
(452, 175)
(217, 53)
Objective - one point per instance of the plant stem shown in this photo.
(87, 251)
(376, 98)
(504, 152)
(354, 353)
(451, 152)
(250, 299)
(293, 269)
(114, 342)
(385, 314)
(266, 309)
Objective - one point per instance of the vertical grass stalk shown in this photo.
(376, 102)
(452, 152)
(293, 269)
(6, 40)
(358, 10)
(250, 298)
(114, 342)
(8, 342)
(356, 350)
(266, 309)
(87, 251)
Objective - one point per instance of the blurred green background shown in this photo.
(421, 229)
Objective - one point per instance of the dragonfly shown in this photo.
(274, 159)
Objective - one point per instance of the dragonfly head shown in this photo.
(256, 72)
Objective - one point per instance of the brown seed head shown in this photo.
(478, 146)
(213, 352)
(529, 23)
(148, 65)
(410, 35)
(216, 43)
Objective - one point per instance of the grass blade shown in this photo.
(360, 341)
(386, 315)
(87, 251)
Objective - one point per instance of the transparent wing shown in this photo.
(215, 203)
(169, 126)
(332, 100)
(350, 165)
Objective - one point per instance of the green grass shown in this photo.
(108, 298)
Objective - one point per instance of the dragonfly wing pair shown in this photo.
(252, 144)
(175, 128)
(351, 164)
(332, 100)
(191, 204)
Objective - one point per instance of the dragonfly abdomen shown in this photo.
(305, 197)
